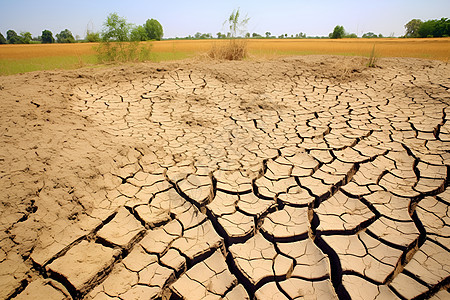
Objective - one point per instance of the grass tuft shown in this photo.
(234, 49)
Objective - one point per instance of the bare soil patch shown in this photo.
(301, 176)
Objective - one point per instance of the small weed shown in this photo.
(372, 59)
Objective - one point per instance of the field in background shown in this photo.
(24, 58)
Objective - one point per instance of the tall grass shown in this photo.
(234, 49)
(24, 58)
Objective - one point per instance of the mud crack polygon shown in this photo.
(281, 179)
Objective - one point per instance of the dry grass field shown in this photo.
(312, 176)
(24, 58)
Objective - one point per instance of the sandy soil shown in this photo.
(305, 176)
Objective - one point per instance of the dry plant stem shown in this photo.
(232, 50)
(372, 58)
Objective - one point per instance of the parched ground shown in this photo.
(312, 177)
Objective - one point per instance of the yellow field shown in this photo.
(48, 56)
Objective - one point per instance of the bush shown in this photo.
(122, 52)
(117, 45)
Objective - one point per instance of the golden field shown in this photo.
(48, 56)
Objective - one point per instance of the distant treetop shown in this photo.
(431, 28)
(154, 29)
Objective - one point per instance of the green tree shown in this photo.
(47, 37)
(26, 37)
(117, 42)
(221, 35)
(92, 37)
(268, 34)
(435, 28)
(13, 38)
(236, 25)
(65, 36)
(116, 29)
(154, 29)
(338, 32)
(369, 35)
(2, 39)
(138, 33)
(412, 28)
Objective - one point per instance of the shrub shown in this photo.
(92, 37)
(116, 45)
(122, 52)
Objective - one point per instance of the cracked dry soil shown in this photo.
(306, 177)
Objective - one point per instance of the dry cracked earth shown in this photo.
(305, 177)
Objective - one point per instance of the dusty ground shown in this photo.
(312, 176)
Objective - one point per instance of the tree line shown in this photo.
(122, 31)
(152, 30)
(416, 28)
(12, 37)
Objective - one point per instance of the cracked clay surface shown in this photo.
(297, 178)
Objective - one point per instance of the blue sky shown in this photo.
(183, 18)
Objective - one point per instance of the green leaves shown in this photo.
(65, 36)
(338, 32)
(431, 28)
(47, 37)
(116, 29)
(154, 29)
(236, 25)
